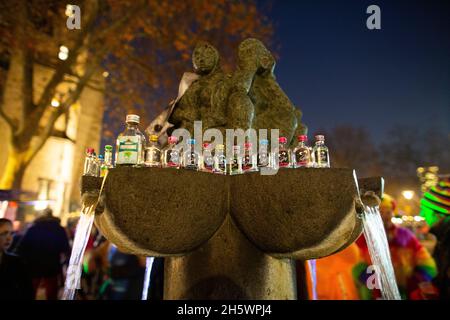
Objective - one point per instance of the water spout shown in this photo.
(379, 252)
(148, 271)
(83, 230)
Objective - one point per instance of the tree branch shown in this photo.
(7, 119)
(27, 85)
(119, 23)
(63, 68)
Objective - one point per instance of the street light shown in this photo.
(55, 103)
(408, 194)
(63, 53)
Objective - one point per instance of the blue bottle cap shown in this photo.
(264, 141)
(191, 141)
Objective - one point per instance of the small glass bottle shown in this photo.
(321, 154)
(235, 163)
(220, 161)
(88, 162)
(191, 157)
(101, 163)
(264, 158)
(283, 153)
(207, 158)
(96, 164)
(130, 143)
(249, 162)
(171, 155)
(301, 156)
(107, 163)
(153, 153)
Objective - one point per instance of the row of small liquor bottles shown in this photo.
(131, 149)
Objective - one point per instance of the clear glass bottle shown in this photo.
(220, 161)
(235, 162)
(153, 152)
(130, 147)
(249, 162)
(301, 155)
(264, 158)
(321, 154)
(190, 156)
(101, 163)
(207, 158)
(171, 155)
(96, 164)
(107, 163)
(283, 153)
(88, 162)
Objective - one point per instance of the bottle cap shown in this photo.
(173, 139)
(205, 145)
(247, 145)
(191, 141)
(320, 137)
(302, 138)
(90, 150)
(100, 157)
(132, 118)
(153, 138)
(108, 147)
(264, 142)
(220, 147)
(282, 140)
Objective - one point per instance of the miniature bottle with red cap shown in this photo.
(301, 155)
(207, 158)
(171, 155)
(249, 162)
(283, 154)
(321, 154)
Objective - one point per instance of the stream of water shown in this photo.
(379, 252)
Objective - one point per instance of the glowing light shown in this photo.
(408, 194)
(105, 74)
(55, 103)
(41, 205)
(63, 53)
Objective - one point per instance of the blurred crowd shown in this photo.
(34, 259)
(420, 257)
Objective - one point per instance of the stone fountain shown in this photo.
(231, 237)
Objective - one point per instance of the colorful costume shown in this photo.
(336, 275)
(413, 265)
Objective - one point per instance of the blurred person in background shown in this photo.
(44, 247)
(125, 278)
(15, 281)
(337, 275)
(413, 265)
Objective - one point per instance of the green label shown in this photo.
(129, 148)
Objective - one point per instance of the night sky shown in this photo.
(339, 72)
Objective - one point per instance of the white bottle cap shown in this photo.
(320, 137)
(132, 118)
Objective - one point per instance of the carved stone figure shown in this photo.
(206, 98)
(248, 98)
